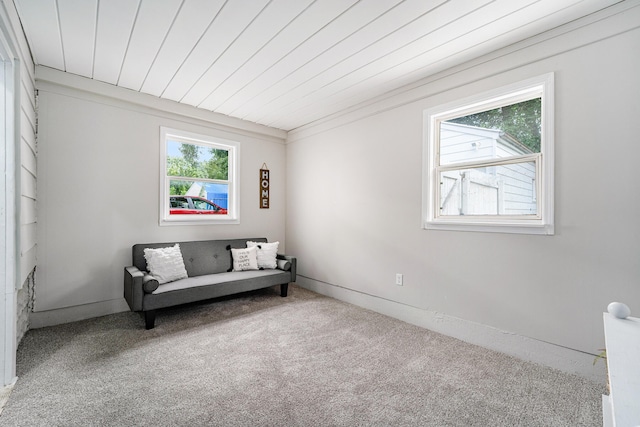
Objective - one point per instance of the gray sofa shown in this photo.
(208, 264)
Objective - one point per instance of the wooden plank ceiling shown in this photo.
(281, 63)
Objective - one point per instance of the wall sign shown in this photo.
(264, 187)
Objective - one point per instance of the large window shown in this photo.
(199, 179)
(489, 161)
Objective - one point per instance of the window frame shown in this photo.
(540, 223)
(233, 208)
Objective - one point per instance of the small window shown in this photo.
(198, 179)
(489, 161)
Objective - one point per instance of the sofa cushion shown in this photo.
(214, 279)
(244, 259)
(165, 264)
(267, 253)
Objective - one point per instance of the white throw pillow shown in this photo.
(165, 264)
(244, 259)
(266, 254)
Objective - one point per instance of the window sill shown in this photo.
(198, 220)
(486, 227)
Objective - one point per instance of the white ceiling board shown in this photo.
(322, 43)
(459, 36)
(190, 25)
(42, 31)
(78, 29)
(115, 23)
(228, 25)
(151, 28)
(459, 50)
(365, 60)
(283, 63)
(403, 16)
(480, 40)
(299, 42)
(274, 18)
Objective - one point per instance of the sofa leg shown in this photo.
(284, 288)
(149, 319)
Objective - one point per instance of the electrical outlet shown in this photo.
(399, 279)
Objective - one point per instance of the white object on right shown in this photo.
(623, 346)
(619, 310)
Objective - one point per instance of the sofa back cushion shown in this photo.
(200, 257)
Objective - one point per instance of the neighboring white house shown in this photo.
(496, 190)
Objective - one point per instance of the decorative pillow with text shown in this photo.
(244, 259)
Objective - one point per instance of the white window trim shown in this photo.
(233, 216)
(543, 221)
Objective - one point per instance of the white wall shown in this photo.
(354, 201)
(98, 191)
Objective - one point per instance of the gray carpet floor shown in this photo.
(260, 360)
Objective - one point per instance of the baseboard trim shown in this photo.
(41, 319)
(525, 348)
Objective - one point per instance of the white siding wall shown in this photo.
(505, 190)
(27, 169)
(28, 176)
(539, 289)
(460, 143)
(16, 297)
(28, 193)
(518, 188)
